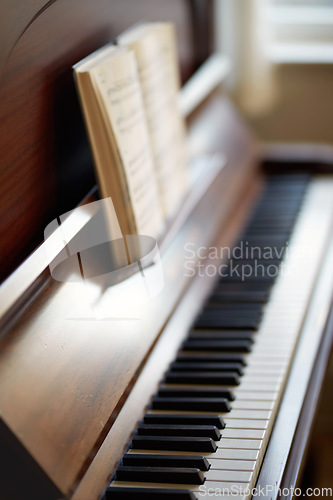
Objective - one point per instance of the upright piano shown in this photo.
(206, 389)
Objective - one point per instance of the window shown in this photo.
(302, 30)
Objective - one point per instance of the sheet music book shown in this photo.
(154, 46)
(129, 98)
(112, 104)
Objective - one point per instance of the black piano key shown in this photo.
(282, 224)
(192, 403)
(206, 378)
(217, 345)
(273, 243)
(273, 219)
(286, 190)
(263, 241)
(212, 318)
(174, 443)
(271, 222)
(233, 287)
(219, 297)
(269, 280)
(213, 357)
(253, 273)
(215, 319)
(262, 261)
(176, 392)
(160, 475)
(141, 460)
(213, 367)
(182, 419)
(273, 228)
(280, 229)
(125, 493)
(234, 308)
(226, 321)
(179, 430)
(280, 203)
(291, 181)
(221, 334)
(279, 211)
(276, 191)
(223, 311)
(258, 212)
(287, 221)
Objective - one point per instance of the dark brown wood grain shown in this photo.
(45, 163)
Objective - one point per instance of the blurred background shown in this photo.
(281, 55)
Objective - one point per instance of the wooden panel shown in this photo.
(116, 442)
(63, 373)
(45, 161)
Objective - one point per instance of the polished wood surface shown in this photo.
(116, 442)
(46, 166)
(70, 371)
(65, 376)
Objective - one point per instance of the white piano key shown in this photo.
(241, 434)
(272, 341)
(247, 414)
(258, 378)
(242, 404)
(229, 475)
(265, 367)
(238, 423)
(249, 387)
(258, 387)
(258, 359)
(233, 454)
(207, 494)
(259, 375)
(255, 371)
(264, 351)
(240, 442)
(222, 489)
(221, 464)
(255, 395)
(260, 347)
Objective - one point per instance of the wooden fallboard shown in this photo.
(64, 374)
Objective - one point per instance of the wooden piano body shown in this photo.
(73, 387)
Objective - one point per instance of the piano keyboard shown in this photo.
(208, 426)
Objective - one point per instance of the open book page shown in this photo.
(155, 51)
(111, 178)
(118, 92)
